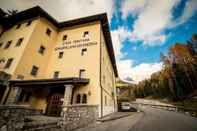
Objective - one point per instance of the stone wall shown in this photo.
(12, 117)
(76, 116)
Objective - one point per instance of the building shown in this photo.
(125, 92)
(54, 64)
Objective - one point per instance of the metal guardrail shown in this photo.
(189, 111)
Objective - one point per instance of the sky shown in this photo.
(140, 29)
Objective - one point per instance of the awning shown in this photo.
(49, 82)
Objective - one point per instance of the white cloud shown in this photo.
(64, 9)
(152, 18)
(138, 72)
(118, 37)
(126, 69)
(189, 10)
(144, 70)
(132, 7)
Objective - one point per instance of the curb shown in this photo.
(115, 118)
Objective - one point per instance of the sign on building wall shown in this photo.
(76, 44)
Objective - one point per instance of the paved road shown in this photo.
(151, 120)
(162, 120)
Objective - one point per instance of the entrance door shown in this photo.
(54, 107)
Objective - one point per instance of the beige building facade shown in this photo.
(55, 64)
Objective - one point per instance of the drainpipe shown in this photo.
(100, 75)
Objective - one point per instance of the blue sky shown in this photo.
(180, 33)
(147, 29)
(140, 29)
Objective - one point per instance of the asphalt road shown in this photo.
(150, 120)
(162, 120)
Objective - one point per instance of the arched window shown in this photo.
(78, 98)
(84, 100)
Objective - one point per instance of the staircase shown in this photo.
(41, 123)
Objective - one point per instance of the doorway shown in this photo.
(55, 102)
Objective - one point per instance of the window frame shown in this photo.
(20, 77)
(86, 34)
(8, 63)
(27, 96)
(78, 99)
(34, 70)
(19, 42)
(56, 74)
(2, 60)
(84, 99)
(18, 26)
(48, 32)
(60, 54)
(8, 44)
(80, 73)
(21, 96)
(29, 23)
(42, 50)
(64, 37)
(84, 51)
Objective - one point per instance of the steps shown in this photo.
(41, 123)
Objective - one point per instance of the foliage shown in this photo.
(178, 77)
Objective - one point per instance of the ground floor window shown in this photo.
(78, 99)
(24, 96)
(84, 99)
(81, 99)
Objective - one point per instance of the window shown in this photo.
(1, 44)
(78, 99)
(18, 26)
(64, 37)
(48, 32)
(86, 34)
(41, 50)
(34, 70)
(105, 100)
(2, 60)
(82, 73)
(83, 51)
(20, 77)
(61, 55)
(9, 62)
(56, 74)
(84, 99)
(28, 95)
(19, 42)
(8, 44)
(29, 23)
(24, 96)
(103, 79)
(21, 97)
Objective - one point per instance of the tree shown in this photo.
(178, 77)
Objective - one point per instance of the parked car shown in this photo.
(126, 106)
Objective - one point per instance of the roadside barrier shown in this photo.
(188, 111)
